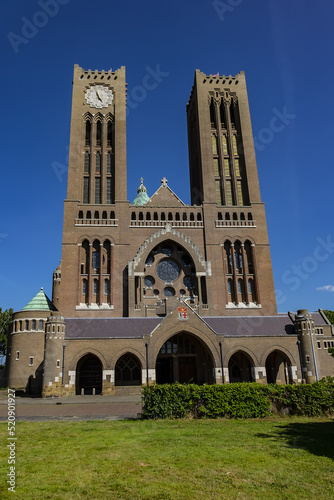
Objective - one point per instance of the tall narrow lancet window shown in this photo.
(98, 163)
(222, 114)
(109, 163)
(87, 163)
(228, 253)
(232, 115)
(109, 200)
(212, 114)
(88, 133)
(98, 133)
(238, 257)
(97, 190)
(109, 134)
(86, 190)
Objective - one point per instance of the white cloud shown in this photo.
(326, 288)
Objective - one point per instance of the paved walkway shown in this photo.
(74, 408)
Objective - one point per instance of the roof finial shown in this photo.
(164, 182)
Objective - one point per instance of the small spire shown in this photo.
(164, 182)
(142, 188)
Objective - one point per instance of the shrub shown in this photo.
(242, 400)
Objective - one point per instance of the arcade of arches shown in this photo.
(182, 358)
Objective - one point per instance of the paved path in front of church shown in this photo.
(73, 408)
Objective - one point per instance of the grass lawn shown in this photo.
(271, 458)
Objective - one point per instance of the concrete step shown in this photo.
(127, 390)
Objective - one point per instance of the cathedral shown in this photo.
(157, 291)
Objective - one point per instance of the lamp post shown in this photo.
(63, 367)
(221, 360)
(313, 351)
(146, 346)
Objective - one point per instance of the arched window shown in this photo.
(84, 287)
(106, 258)
(133, 215)
(85, 257)
(96, 283)
(163, 216)
(228, 252)
(96, 256)
(238, 257)
(148, 215)
(141, 216)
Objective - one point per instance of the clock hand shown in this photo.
(98, 95)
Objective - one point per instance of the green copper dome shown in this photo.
(142, 196)
(40, 303)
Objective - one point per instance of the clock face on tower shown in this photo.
(99, 96)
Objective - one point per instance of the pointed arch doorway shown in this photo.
(184, 358)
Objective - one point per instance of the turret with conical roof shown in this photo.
(26, 344)
(40, 302)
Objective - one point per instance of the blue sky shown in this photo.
(286, 49)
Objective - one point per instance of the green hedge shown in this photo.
(244, 400)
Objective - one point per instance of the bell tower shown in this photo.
(224, 180)
(96, 201)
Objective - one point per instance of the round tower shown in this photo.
(306, 335)
(25, 354)
(53, 379)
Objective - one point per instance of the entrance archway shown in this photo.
(128, 370)
(184, 358)
(240, 368)
(89, 375)
(278, 368)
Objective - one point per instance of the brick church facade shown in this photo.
(156, 290)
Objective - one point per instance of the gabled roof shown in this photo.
(165, 197)
(40, 302)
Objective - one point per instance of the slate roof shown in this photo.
(109, 328)
(229, 326)
(251, 326)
